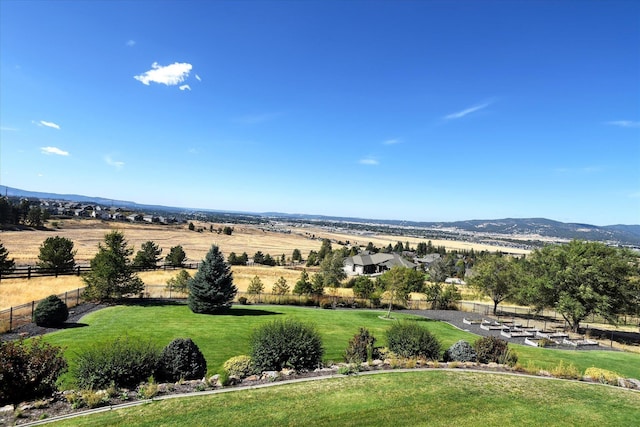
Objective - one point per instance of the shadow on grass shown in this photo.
(150, 302)
(73, 325)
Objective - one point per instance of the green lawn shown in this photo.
(427, 398)
(223, 336)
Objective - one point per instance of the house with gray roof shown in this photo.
(374, 264)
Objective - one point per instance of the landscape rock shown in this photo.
(270, 375)
(6, 410)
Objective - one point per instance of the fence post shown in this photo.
(29, 273)
(65, 297)
(10, 318)
(33, 304)
(78, 270)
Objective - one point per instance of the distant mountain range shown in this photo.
(508, 227)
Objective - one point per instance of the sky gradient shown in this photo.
(415, 110)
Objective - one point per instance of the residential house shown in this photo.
(374, 264)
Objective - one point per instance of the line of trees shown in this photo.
(577, 280)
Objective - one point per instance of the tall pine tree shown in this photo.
(211, 289)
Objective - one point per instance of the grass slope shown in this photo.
(223, 336)
(428, 398)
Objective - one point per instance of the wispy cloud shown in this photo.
(198, 78)
(369, 161)
(252, 119)
(170, 75)
(392, 141)
(185, 87)
(131, 43)
(624, 123)
(53, 150)
(7, 129)
(115, 163)
(49, 124)
(465, 112)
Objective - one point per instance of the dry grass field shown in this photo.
(86, 234)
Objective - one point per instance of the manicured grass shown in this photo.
(427, 398)
(219, 337)
(223, 336)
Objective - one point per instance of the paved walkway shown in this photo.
(455, 318)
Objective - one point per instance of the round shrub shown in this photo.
(239, 366)
(492, 349)
(125, 362)
(460, 352)
(181, 359)
(51, 312)
(409, 339)
(286, 343)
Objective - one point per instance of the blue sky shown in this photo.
(416, 110)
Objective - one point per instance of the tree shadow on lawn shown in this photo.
(73, 325)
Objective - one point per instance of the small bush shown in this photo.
(566, 371)
(243, 301)
(29, 370)
(124, 362)
(286, 343)
(491, 349)
(51, 312)
(326, 304)
(409, 339)
(602, 375)
(361, 347)
(460, 352)
(239, 366)
(181, 359)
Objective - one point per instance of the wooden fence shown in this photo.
(29, 272)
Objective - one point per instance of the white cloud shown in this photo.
(2, 128)
(185, 87)
(368, 161)
(49, 124)
(391, 141)
(169, 75)
(131, 43)
(116, 164)
(53, 150)
(198, 78)
(625, 123)
(467, 111)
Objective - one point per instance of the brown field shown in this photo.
(86, 234)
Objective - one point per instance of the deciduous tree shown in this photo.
(497, 277)
(581, 278)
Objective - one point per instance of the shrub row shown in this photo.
(126, 362)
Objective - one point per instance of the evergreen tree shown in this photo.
(148, 256)
(256, 287)
(112, 275)
(212, 290)
(303, 285)
(176, 257)
(56, 253)
(6, 264)
(296, 255)
(281, 287)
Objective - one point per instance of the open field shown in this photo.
(421, 398)
(223, 336)
(24, 246)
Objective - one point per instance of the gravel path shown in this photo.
(455, 318)
(32, 330)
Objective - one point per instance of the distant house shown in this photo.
(427, 260)
(372, 264)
